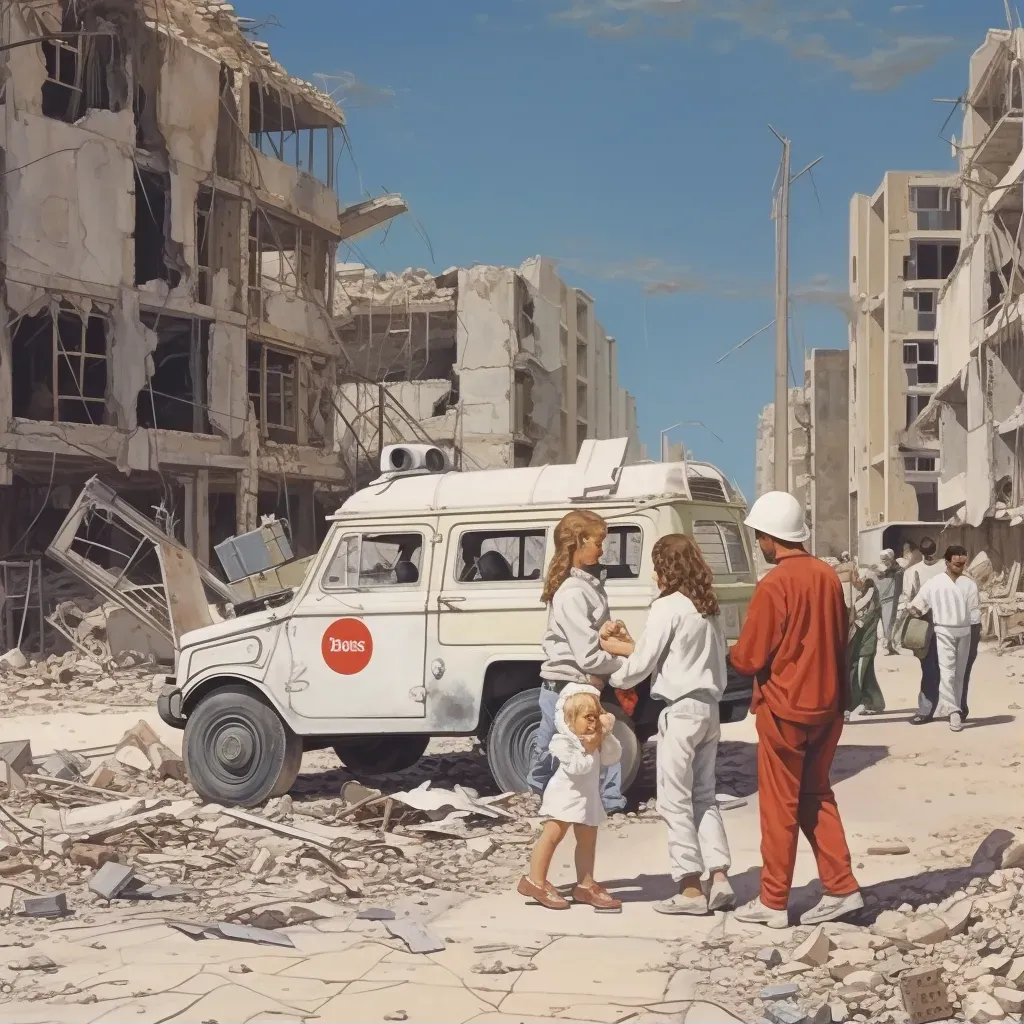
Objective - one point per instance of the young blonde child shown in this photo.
(683, 650)
(583, 743)
(577, 609)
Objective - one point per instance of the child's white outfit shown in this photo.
(573, 794)
(684, 653)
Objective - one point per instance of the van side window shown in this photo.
(500, 556)
(622, 547)
(365, 560)
(722, 547)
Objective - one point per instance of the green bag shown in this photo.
(917, 636)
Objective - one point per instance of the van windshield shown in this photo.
(721, 543)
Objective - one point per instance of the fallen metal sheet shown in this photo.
(415, 935)
(193, 931)
(424, 798)
(375, 914)
(246, 933)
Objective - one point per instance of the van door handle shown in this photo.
(449, 601)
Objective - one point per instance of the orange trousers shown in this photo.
(795, 795)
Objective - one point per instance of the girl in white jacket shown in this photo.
(683, 650)
(583, 743)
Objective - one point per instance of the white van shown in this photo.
(421, 616)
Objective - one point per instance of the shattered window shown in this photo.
(273, 382)
(85, 70)
(375, 560)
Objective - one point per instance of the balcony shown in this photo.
(998, 150)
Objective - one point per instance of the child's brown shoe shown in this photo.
(545, 895)
(597, 897)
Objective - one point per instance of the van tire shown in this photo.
(510, 742)
(237, 750)
(379, 755)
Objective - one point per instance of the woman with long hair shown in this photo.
(683, 650)
(577, 609)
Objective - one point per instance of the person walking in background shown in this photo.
(972, 654)
(953, 601)
(924, 569)
(890, 585)
(865, 693)
(683, 650)
(794, 643)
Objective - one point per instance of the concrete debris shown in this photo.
(141, 749)
(14, 659)
(34, 963)
(424, 798)
(769, 956)
(888, 850)
(64, 765)
(814, 950)
(982, 1008)
(17, 754)
(775, 992)
(375, 914)
(10, 779)
(51, 905)
(418, 937)
(785, 1011)
(111, 879)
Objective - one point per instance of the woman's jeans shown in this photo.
(543, 764)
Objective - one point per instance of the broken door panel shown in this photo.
(128, 559)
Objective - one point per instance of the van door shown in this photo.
(354, 646)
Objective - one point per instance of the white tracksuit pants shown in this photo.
(953, 647)
(688, 733)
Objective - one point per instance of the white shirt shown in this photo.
(683, 653)
(572, 640)
(947, 602)
(917, 575)
(973, 598)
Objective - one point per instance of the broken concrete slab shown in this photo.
(814, 950)
(111, 879)
(17, 754)
(49, 905)
(415, 935)
(375, 914)
(247, 933)
(65, 765)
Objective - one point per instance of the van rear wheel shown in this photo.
(379, 755)
(511, 740)
(237, 750)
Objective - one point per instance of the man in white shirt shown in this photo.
(974, 602)
(951, 600)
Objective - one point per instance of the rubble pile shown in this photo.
(139, 836)
(967, 948)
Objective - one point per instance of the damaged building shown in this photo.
(818, 449)
(500, 366)
(170, 229)
(977, 413)
(904, 245)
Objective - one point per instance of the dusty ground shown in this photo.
(937, 793)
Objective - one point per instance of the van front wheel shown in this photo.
(510, 742)
(237, 750)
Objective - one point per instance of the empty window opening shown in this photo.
(937, 208)
(930, 261)
(84, 69)
(523, 411)
(218, 224)
(524, 302)
(920, 361)
(60, 346)
(920, 463)
(229, 132)
(284, 257)
(392, 345)
(273, 379)
(916, 404)
(175, 395)
(156, 258)
(582, 317)
(450, 399)
(288, 128)
(522, 454)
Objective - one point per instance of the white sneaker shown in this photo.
(755, 912)
(696, 906)
(721, 897)
(831, 908)
(956, 721)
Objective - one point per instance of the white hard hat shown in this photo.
(779, 515)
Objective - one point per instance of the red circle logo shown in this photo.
(347, 646)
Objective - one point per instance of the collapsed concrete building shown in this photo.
(904, 245)
(499, 366)
(170, 228)
(977, 414)
(818, 450)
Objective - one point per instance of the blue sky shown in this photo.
(629, 139)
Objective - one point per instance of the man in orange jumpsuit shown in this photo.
(794, 643)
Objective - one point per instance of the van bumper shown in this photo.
(168, 706)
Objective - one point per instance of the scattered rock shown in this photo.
(784, 990)
(814, 950)
(981, 1008)
(769, 956)
(1009, 999)
(927, 930)
(888, 850)
(1013, 855)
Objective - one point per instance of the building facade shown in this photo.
(904, 244)
(977, 414)
(501, 366)
(818, 450)
(170, 224)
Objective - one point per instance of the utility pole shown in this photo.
(780, 212)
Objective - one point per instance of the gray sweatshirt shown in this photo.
(572, 640)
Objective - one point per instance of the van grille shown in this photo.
(703, 488)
